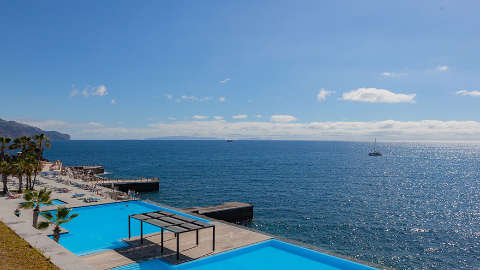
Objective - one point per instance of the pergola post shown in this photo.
(197, 237)
(162, 240)
(129, 232)
(178, 246)
(213, 244)
(141, 231)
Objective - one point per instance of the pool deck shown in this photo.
(226, 238)
(39, 239)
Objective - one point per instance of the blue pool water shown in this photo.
(103, 227)
(269, 255)
(54, 202)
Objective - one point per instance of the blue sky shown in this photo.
(351, 70)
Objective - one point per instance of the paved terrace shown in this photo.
(39, 239)
(227, 236)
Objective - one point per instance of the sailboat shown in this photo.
(375, 153)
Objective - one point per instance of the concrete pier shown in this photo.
(139, 185)
(95, 169)
(229, 211)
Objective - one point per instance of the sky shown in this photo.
(306, 70)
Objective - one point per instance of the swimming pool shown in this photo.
(54, 202)
(269, 255)
(102, 227)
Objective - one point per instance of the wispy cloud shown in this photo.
(188, 98)
(100, 91)
(283, 118)
(113, 101)
(74, 92)
(468, 93)
(442, 68)
(218, 117)
(95, 124)
(322, 94)
(172, 118)
(225, 80)
(393, 74)
(259, 116)
(240, 116)
(199, 117)
(221, 99)
(374, 95)
(388, 130)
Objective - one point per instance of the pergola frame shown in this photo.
(171, 222)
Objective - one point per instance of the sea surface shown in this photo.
(416, 207)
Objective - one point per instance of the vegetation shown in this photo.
(34, 199)
(22, 157)
(16, 253)
(62, 216)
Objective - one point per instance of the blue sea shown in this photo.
(416, 207)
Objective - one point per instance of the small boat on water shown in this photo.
(375, 153)
(229, 140)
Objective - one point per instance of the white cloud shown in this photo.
(388, 130)
(95, 124)
(441, 68)
(74, 92)
(468, 93)
(100, 90)
(225, 80)
(218, 117)
(172, 118)
(169, 96)
(392, 74)
(199, 117)
(375, 95)
(221, 99)
(282, 118)
(193, 98)
(113, 101)
(259, 116)
(240, 116)
(322, 94)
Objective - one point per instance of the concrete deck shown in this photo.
(227, 238)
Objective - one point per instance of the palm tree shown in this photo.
(19, 168)
(31, 164)
(5, 169)
(4, 141)
(24, 143)
(62, 216)
(34, 199)
(41, 142)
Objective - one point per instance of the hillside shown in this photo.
(14, 129)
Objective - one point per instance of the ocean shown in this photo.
(416, 207)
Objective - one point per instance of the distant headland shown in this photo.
(14, 129)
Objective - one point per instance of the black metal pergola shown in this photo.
(171, 222)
